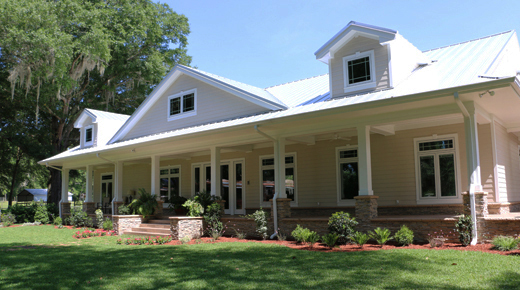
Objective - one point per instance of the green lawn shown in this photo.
(46, 258)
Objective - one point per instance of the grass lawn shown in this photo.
(42, 257)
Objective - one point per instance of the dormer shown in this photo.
(364, 58)
(97, 127)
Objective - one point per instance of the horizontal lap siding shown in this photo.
(212, 105)
(360, 44)
(508, 164)
(486, 160)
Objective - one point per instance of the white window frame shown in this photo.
(361, 85)
(91, 142)
(344, 202)
(172, 175)
(183, 114)
(438, 199)
(294, 165)
(101, 181)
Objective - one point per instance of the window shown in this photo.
(170, 183)
(268, 178)
(182, 105)
(436, 168)
(89, 135)
(348, 181)
(359, 71)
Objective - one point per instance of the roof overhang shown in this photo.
(352, 30)
(83, 117)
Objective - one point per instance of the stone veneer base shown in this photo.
(186, 226)
(123, 223)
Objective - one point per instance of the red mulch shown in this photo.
(354, 248)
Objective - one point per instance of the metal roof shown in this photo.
(453, 66)
(108, 116)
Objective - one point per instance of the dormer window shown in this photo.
(182, 105)
(359, 71)
(89, 135)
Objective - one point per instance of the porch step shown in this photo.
(153, 228)
(159, 221)
(140, 233)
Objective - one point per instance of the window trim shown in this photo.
(91, 142)
(260, 180)
(171, 175)
(101, 181)
(182, 114)
(438, 199)
(361, 85)
(342, 202)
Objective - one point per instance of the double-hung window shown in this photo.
(268, 178)
(89, 136)
(348, 180)
(436, 168)
(170, 182)
(359, 71)
(183, 104)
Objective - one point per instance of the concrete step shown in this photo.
(155, 226)
(142, 233)
(151, 230)
(162, 221)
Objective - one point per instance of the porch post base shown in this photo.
(481, 204)
(65, 208)
(283, 207)
(117, 204)
(159, 208)
(89, 207)
(366, 210)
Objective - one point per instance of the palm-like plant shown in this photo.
(144, 205)
(381, 236)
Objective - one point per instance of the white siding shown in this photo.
(212, 105)
(508, 164)
(486, 160)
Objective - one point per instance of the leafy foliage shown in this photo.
(212, 217)
(505, 243)
(404, 236)
(99, 218)
(58, 221)
(144, 205)
(41, 215)
(260, 218)
(305, 235)
(194, 207)
(330, 239)
(79, 218)
(380, 235)
(342, 224)
(360, 238)
(108, 225)
(464, 226)
(7, 219)
(205, 199)
(124, 210)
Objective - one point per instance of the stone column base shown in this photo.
(123, 223)
(117, 204)
(65, 208)
(159, 209)
(499, 208)
(89, 207)
(283, 207)
(481, 204)
(366, 210)
(186, 226)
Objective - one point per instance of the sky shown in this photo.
(267, 42)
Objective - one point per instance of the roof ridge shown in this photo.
(107, 112)
(283, 84)
(471, 40)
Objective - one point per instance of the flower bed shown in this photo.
(92, 233)
(158, 240)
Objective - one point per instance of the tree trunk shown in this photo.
(13, 179)
(55, 187)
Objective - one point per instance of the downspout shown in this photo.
(115, 166)
(471, 192)
(275, 197)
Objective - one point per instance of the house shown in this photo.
(27, 195)
(390, 130)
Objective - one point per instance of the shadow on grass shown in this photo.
(210, 266)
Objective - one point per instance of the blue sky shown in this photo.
(265, 43)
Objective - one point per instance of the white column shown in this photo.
(156, 177)
(280, 173)
(364, 161)
(88, 187)
(472, 150)
(118, 184)
(64, 187)
(215, 171)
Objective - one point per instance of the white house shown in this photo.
(414, 128)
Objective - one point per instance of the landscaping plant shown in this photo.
(79, 218)
(342, 224)
(404, 236)
(58, 221)
(144, 205)
(108, 225)
(330, 239)
(99, 218)
(205, 198)
(260, 218)
(360, 239)
(281, 236)
(311, 238)
(238, 234)
(124, 210)
(7, 219)
(194, 208)
(298, 234)
(464, 226)
(41, 215)
(380, 235)
(505, 243)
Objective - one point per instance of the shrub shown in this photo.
(505, 243)
(260, 218)
(53, 210)
(281, 235)
(238, 234)
(41, 215)
(58, 221)
(194, 208)
(144, 205)
(99, 218)
(23, 214)
(311, 237)
(330, 239)
(212, 217)
(404, 236)
(380, 235)
(298, 234)
(205, 198)
(360, 238)
(464, 226)
(342, 224)
(185, 239)
(7, 219)
(108, 225)
(124, 210)
(79, 218)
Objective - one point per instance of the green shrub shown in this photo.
(23, 214)
(360, 238)
(342, 224)
(260, 218)
(330, 239)
(194, 208)
(311, 237)
(205, 198)
(124, 210)
(380, 235)
(58, 221)
(7, 219)
(99, 218)
(41, 215)
(144, 205)
(79, 218)
(185, 240)
(464, 226)
(108, 225)
(212, 217)
(298, 234)
(404, 236)
(505, 243)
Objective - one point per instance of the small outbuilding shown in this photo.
(28, 195)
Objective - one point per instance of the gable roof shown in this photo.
(98, 116)
(302, 91)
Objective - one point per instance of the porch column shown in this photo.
(64, 202)
(215, 171)
(279, 163)
(118, 187)
(156, 177)
(364, 161)
(89, 206)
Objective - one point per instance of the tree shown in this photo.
(68, 55)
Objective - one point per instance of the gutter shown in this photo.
(275, 197)
(465, 112)
(53, 167)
